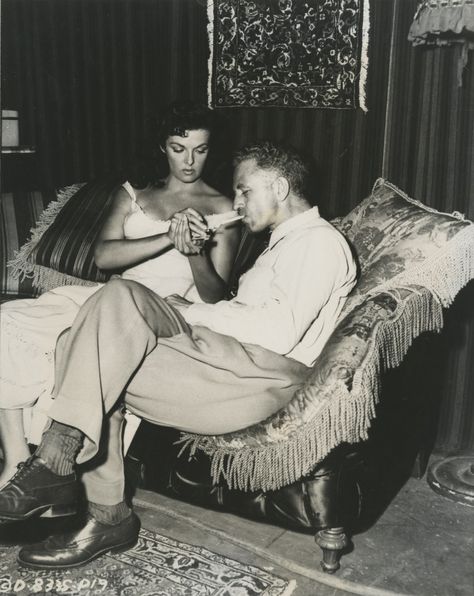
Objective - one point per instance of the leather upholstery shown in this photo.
(328, 497)
(333, 495)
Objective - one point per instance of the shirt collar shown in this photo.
(287, 226)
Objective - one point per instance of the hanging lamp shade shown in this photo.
(445, 22)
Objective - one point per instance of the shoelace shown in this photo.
(22, 470)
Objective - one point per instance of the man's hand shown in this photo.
(188, 231)
(178, 302)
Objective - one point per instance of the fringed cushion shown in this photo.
(413, 262)
(400, 241)
(60, 250)
(19, 210)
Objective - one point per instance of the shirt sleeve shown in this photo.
(303, 276)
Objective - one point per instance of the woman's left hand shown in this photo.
(185, 225)
(180, 235)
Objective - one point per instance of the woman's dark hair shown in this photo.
(185, 115)
(175, 120)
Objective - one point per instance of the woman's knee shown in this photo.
(126, 294)
(119, 287)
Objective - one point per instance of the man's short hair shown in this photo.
(280, 157)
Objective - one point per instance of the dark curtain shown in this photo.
(429, 153)
(89, 77)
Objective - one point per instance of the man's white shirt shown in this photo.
(288, 302)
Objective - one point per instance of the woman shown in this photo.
(158, 234)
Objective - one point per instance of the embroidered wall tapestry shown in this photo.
(288, 53)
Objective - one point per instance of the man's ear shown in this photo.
(282, 188)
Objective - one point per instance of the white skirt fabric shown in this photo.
(29, 330)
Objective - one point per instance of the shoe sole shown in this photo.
(111, 549)
(47, 511)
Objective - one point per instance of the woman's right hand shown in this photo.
(180, 234)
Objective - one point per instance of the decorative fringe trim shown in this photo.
(364, 56)
(47, 279)
(447, 270)
(340, 415)
(210, 60)
(43, 277)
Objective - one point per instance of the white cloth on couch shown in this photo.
(29, 328)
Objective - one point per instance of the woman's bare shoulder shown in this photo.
(122, 198)
(217, 202)
(150, 193)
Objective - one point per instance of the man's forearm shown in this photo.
(210, 286)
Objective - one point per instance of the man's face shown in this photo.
(255, 196)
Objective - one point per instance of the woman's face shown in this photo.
(187, 155)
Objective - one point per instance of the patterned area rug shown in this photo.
(157, 566)
(298, 53)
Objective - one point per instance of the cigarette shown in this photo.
(216, 221)
(222, 219)
(227, 221)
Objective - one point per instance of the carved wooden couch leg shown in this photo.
(332, 541)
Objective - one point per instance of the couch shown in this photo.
(317, 464)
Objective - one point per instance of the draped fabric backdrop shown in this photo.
(89, 76)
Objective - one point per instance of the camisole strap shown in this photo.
(131, 191)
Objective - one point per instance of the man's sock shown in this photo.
(109, 514)
(59, 447)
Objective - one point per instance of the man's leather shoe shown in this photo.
(36, 490)
(81, 546)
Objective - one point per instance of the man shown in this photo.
(205, 368)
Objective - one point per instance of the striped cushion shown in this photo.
(18, 213)
(60, 250)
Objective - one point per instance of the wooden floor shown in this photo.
(423, 545)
